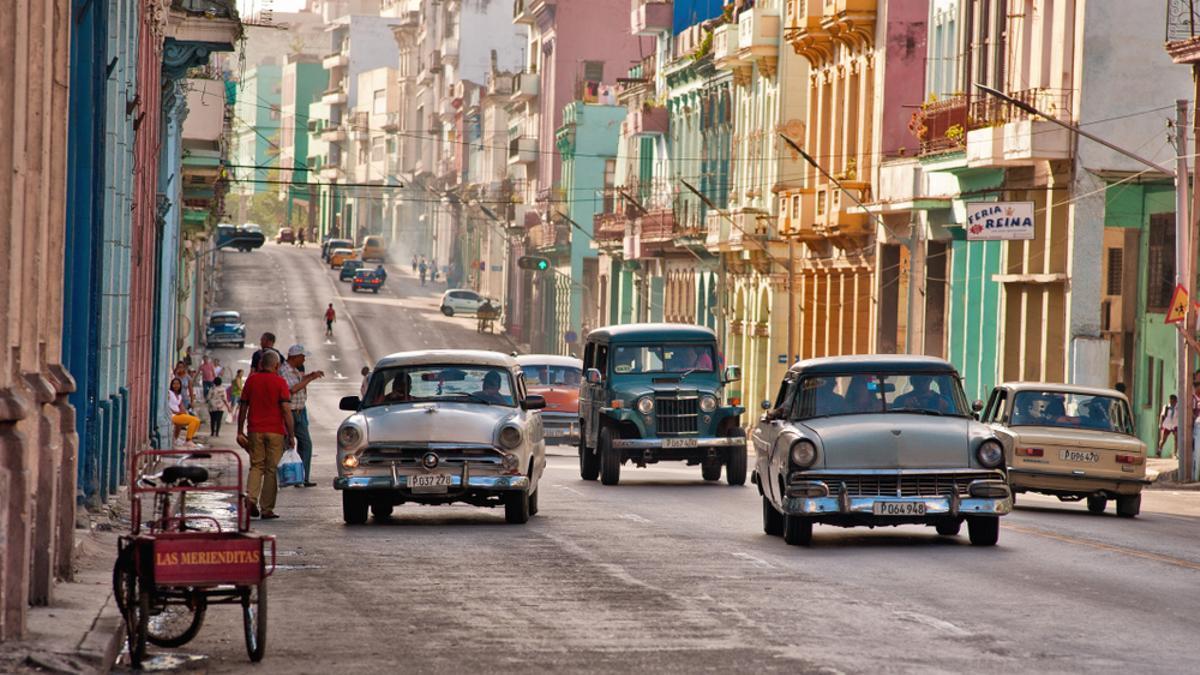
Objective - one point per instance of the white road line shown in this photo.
(932, 622)
(569, 489)
(633, 517)
(757, 562)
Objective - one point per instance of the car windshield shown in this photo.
(858, 394)
(665, 358)
(1070, 410)
(411, 384)
(552, 376)
(364, 274)
(218, 319)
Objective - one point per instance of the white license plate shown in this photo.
(1086, 456)
(679, 442)
(898, 508)
(429, 482)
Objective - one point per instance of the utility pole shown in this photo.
(914, 342)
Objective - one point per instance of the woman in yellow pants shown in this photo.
(180, 417)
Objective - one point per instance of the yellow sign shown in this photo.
(1179, 306)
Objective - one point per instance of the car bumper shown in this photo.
(1055, 483)
(674, 443)
(812, 498)
(400, 482)
(560, 427)
(217, 338)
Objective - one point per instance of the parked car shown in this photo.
(654, 392)
(349, 269)
(240, 238)
(225, 328)
(329, 245)
(556, 379)
(366, 280)
(285, 236)
(463, 301)
(373, 249)
(340, 255)
(1071, 442)
(438, 427)
(877, 440)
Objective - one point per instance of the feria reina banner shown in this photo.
(999, 220)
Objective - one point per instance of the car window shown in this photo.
(589, 352)
(468, 384)
(552, 376)
(666, 358)
(1071, 410)
(995, 407)
(602, 359)
(862, 393)
(225, 319)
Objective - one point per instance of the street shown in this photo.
(665, 572)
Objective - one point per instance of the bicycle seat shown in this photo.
(184, 474)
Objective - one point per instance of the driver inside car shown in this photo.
(491, 389)
(401, 390)
(920, 396)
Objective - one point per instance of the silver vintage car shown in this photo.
(438, 427)
(877, 440)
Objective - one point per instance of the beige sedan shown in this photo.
(1071, 442)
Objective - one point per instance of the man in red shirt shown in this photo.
(264, 405)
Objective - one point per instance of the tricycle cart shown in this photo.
(172, 567)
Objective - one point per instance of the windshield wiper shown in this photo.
(687, 372)
(474, 397)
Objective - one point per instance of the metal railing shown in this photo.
(988, 111)
(1181, 20)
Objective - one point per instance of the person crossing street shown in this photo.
(265, 428)
(330, 317)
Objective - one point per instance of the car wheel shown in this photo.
(772, 518)
(241, 345)
(354, 508)
(376, 291)
(610, 457)
(1097, 504)
(1128, 507)
(516, 507)
(735, 469)
(533, 503)
(983, 530)
(589, 462)
(797, 530)
(381, 510)
(711, 471)
(448, 311)
(949, 528)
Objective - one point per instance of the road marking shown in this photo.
(757, 562)
(932, 622)
(333, 357)
(633, 517)
(339, 376)
(1112, 548)
(568, 489)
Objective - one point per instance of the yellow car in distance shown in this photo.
(341, 255)
(374, 249)
(1076, 443)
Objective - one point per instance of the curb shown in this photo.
(102, 643)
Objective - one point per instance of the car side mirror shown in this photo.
(733, 373)
(977, 405)
(766, 405)
(594, 376)
(534, 402)
(350, 403)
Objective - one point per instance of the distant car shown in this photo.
(556, 379)
(462, 301)
(373, 249)
(285, 236)
(341, 255)
(1071, 442)
(438, 427)
(349, 269)
(240, 238)
(330, 245)
(225, 328)
(366, 280)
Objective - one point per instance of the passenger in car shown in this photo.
(860, 398)
(921, 396)
(827, 401)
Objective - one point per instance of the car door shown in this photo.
(472, 301)
(534, 426)
(767, 431)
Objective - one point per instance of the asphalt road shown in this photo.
(665, 572)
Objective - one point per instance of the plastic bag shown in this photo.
(291, 469)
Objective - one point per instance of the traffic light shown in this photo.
(529, 262)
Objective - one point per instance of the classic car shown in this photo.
(243, 239)
(1071, 442)
(374, 249)
(556, 379)
(877, 440)
(438, 427)
(286, 235)
(365, 279)
(654, 392)
(349, 269)
(225, 327)
(340, 255)
(328, 246)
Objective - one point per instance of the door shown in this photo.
(592, 395)
(766, 435)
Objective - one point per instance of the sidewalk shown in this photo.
(1162, 472)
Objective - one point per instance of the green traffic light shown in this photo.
(543, 264)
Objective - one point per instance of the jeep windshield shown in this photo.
(936, 394)
(415, 384)
(664, 358)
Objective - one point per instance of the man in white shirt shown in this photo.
(297, 381)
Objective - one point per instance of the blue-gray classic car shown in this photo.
(877, 440)
(225, 328)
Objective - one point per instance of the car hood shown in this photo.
(893, 440)
(226, 328)
(558, 399)
(435, 422)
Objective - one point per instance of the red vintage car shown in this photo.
(557, 379)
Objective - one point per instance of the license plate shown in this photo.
(898, 508)
(429, 482)
(679, 442)
(1086, 456)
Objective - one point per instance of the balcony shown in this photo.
(797, 216)
(726, 47)
(850, 22)
(650, 17)
(549, 237)
(335, 60)
(717, 231)
(758, 34)
(608, 229)
(521, 13)
(333, 133)
(941, 126)
(525, 87)
(391, 121)
(1183, 34)
(522, 150)
(647, 120)
(1002, 134)
(334, 96)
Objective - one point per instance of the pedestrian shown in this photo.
(1120, 387)
(330, 317)
(265, 428)
(187, 357)
(300, 238)
(366, 375)
(207, 374)
(1168, 424)
(235, 391)
(421, 269)
(414, 263)
(292, 371)
(266, 343)
(180, 418)
(218, 369)
(218, 406)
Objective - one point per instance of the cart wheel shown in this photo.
(134, 606)
(254, 620)
(177, 625)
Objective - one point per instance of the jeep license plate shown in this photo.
(429, 482)
(679, 442)
(1087, 456)
(898, 508)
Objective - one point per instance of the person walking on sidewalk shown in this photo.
(218, 406)
(414, 263)
(1168, 424)
(292, 371)
(330, 317)
(421, 270)
(265, 429)
(207, 373)
(235, 391)
(180, 418)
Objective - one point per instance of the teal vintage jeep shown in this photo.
(652, 393)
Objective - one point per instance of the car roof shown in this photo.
(466, 357)
(872, 363)
(342, 248)
(454, 290)
(226, 312)
(635, 332)
(1064, 388)
(549, 360)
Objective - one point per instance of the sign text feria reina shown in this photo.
(999, 220)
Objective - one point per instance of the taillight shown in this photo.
(1030, 452)
(1135, 460)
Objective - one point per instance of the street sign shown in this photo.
(1179, 306)
(783, 358)
(990, 221)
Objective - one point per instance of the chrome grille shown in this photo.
(922, 485)
(411, 455)
(677, 415)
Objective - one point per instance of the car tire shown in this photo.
(949, 528)
(589, 461)
(772, 518)
(241, 345)
(710, 471)
(516, 507)
(381, 510)
(533, 503)
(735, 468)
(610, 457)
(1128, 507)
(983, 530)
(448, 311)
(354, 508)
(797, 530)
(1096, 505)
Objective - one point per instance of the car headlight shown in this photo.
(510, 437)
(990, 453)
(803, 454)
(510, 463)
(349, 435)
(708, 403)
(350, 461)
(645, 405)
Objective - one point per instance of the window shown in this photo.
(379, 103)
(377, 150)
(995, 406)
(866, 393)
(589, 353)
(602, 358)
(492, 386)
(1116, 259)
(593, 71)
(551, 376)
(1072, 411)
(670, 358)
(1160, 264)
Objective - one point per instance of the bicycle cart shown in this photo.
(486, 318)
(171, 568)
